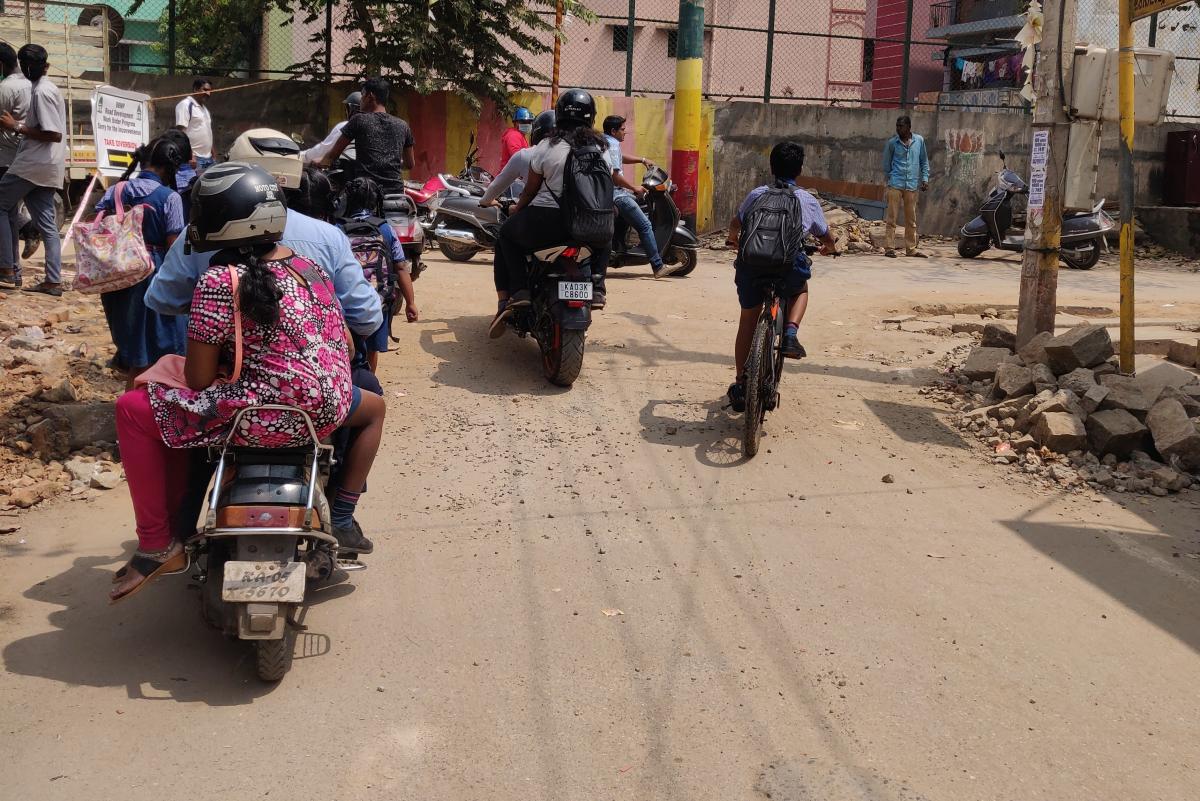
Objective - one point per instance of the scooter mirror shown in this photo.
(1002, 160)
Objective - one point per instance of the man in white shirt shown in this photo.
(36, 173)
(322, 149)
(193, 118)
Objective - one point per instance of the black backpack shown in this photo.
(587, 198)
(772, 232)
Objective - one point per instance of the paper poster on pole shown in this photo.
(120, 124)
(1038, 157)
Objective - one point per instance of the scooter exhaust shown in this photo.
(459, 236)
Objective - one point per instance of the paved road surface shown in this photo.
(790, 628)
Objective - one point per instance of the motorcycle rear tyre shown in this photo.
(455, 251)
(273, 658)
(1086, 263)
(970, 247)
(563, 359)
(686, 257)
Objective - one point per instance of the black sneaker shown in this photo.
(737, 396)
(598, 301)
(519, 299)
(352, 540)
(792, 349)
(499, 322)
(9, 280)
(46, 288)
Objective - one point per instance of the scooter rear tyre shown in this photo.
(970, 247)
(273, 658)
(1086, 263)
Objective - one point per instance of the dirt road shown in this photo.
(587, 594)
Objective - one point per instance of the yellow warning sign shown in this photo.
(1144, 8)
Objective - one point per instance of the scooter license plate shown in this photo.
(574, 290)
(263, 582)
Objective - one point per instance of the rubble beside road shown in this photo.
(57, 426)
(852, 233)
(1059, 408)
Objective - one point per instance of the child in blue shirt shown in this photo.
(787, 160)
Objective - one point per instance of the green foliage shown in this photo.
(478, 49)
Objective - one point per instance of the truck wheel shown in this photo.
(273, 658)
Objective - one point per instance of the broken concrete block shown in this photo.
(1012, 380)
(1043, 378)
(999, 335)
(1185, 352)
(1169, 479)
(1024, 443)
(1175, 436)
(1116, 431)
(1061, 401)
(1085, 345)
(60, 392)
(1034, 351)
(1126, 393)
(966, 327)
(1061, 432)
(1106, 368)
(85, 423)
(1191, 403)
(982, 363)
(1092, 399)
(1078, 381)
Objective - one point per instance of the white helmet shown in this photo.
(273, 151)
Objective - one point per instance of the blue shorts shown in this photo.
(355, 400)
(750, 288)
(378, 342)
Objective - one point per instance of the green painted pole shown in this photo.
(629, 34)
(689, 84)
(770, 52)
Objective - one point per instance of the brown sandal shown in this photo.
(151, 565)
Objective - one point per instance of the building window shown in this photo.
(119, 57)
(672, 42)
(868, 60)
(620, 38)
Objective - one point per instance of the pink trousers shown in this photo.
(156, 474)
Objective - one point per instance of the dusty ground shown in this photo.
(791, 628)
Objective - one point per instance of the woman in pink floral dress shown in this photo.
(295, 351)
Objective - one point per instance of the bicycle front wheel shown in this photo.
(758, 380)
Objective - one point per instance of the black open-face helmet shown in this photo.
(235, 205)
(353, 102)
(575, 108)
(543, 124)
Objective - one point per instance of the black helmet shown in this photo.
(353, 101)
(235, 204)
(543, 124)
(574, 109)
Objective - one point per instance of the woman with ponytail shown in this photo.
(141, 334)
(265, 328)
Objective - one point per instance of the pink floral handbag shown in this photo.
(110, 253)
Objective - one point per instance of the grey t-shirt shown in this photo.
(43, 163)
(15, 91)
(549, 160)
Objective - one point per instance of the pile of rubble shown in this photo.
(1059, 408)
(852, 233)
(57, 425)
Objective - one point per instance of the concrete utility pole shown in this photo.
(689, 82)
(1048, 164)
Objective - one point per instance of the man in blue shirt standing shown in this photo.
(906, 170)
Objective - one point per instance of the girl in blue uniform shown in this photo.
(141, 334)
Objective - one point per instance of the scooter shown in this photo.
(1083, 233)
(676, 242)
(402, 214)
(267, 539)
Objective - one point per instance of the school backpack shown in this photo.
(587, 199)
(374, 256)
(772, 232)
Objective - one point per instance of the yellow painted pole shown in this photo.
(689, 85)
(1125, 172)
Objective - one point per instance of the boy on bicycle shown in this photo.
(787, 159)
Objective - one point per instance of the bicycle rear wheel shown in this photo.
(758, 380)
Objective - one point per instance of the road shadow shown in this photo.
(917, 424)
(1153, 572)
(154, 644)
(711, 429)
(469, 360)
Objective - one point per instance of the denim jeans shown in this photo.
(39, 200)
(632, 213)
(202, 164)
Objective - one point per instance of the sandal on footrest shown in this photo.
(151, 565)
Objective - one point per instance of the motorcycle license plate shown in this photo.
(263, 582)
(574, 290)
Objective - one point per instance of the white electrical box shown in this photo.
(1083, 161)
(1094, 92)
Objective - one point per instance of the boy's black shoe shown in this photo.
(737, 396)
(792, 349)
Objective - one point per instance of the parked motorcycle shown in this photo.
(1083, 233)
(463, 228)
(267, 540)
(472, 170)
(403, 216)
(676, 242)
